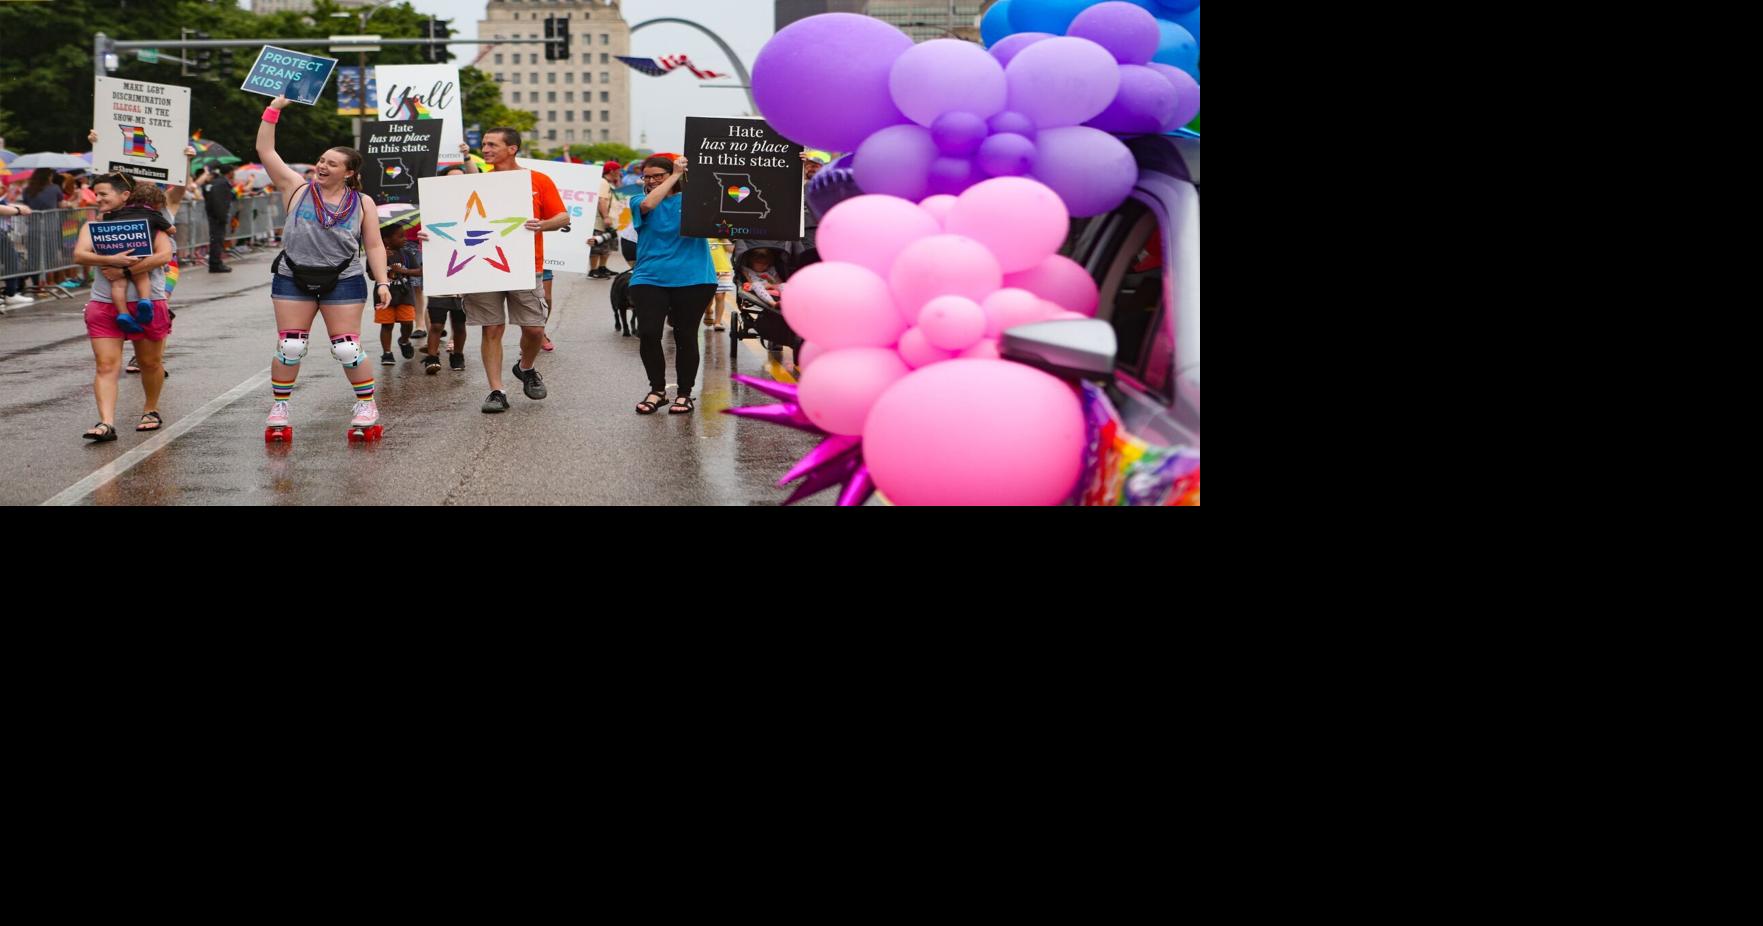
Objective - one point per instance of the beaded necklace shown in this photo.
(329, 218)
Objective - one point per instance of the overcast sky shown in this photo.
(659, 105)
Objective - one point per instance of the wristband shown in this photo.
(271, 115)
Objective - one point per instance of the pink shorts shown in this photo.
(101, 322)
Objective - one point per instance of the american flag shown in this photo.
(666, 64)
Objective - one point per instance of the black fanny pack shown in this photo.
(314, 282)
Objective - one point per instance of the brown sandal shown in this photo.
(647, 407)
(154, 418)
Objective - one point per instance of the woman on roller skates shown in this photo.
(319, 271)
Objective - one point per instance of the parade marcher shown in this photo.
(673, 281)
(320, 271)
(108, 324)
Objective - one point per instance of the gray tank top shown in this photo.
(311, 245)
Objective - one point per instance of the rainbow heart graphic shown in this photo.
(739, 193)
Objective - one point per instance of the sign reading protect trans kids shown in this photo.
(280, 72)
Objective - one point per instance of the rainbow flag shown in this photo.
(417, 110)
(136, 144)
(171, 276)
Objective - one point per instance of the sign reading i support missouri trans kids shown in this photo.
(745, 181)
(280, 72)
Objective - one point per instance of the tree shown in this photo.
(48, 62)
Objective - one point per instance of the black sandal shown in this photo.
(647, 407)
(157, 422)
(108, 433)
(682, 405)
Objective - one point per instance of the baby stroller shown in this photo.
(752, 317)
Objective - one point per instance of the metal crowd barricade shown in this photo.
(42, 242)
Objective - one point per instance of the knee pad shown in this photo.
(348, 351)
(292, 347)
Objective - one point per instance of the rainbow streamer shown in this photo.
(1124, 470)
(171, 276)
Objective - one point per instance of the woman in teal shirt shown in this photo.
(673, 281)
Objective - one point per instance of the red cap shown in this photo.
(611, 165)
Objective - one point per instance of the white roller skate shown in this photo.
(365, 426)
(276, 427)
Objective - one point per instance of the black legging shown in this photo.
(684, 307)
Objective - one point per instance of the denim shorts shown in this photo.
(349, 291)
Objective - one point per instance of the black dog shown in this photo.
(624, 314)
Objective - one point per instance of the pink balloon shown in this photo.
(838, 305)
(1020, 442)
(1008, 308)
(806, 355)
(1021, 220)
(939, 207)
(871, 231)
(918, 352)
(838, 393)
(986, 349)
(952, 322)
(942, 265)
(1061, 280)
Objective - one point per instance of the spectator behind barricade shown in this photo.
(40, 192)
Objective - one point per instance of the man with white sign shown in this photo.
(451, 245)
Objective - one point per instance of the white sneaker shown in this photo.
(367, 414)
(278, 415)
(20, 299)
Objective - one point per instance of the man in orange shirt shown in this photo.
(494, 312)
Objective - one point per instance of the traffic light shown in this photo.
(435, 29)
(226, 61)
(556, 38)
(204, 56)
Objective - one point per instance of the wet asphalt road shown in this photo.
(583, 445)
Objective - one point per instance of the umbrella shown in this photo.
(394, 213)
(211, 154)
(48, 159)
(251, 177)
(85, 156)
(7, 157)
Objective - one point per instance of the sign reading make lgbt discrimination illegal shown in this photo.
(280, 72)
(142, 127)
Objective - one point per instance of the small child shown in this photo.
(761, 280)
(146, 201)
(402, 310)
(720, 252)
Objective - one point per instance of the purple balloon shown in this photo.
(946, 76)
(1013, 123)
(958, 134)
(951, 176)
(1177, 47)
(1145, 104)
(1090, 169)
(1062, 81)
(1007, 156)
(896, 161)
(1187, 96)
(823, 81)
(1128, 31)
(1011, 44)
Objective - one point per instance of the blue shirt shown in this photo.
(663, 257)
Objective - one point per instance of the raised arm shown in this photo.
(280, 173)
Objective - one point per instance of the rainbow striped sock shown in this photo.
(364, 391)
(283, 391)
